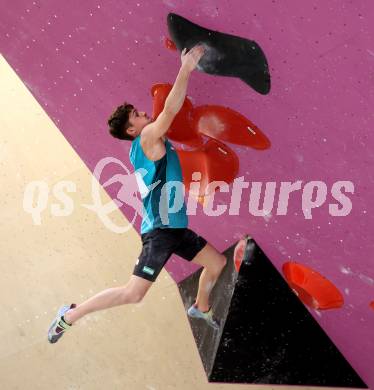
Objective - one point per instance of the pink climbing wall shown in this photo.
(82, 59)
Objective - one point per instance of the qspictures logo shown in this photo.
(245, 197)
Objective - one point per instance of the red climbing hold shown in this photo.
(239, 253)
(214, 160)
(312, 288)
(181, 129)
(216, 122)
(169, 44)
(227, 125)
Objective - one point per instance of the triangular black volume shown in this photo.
(267, 335)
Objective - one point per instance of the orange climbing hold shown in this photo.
(312, 288)
(372, 304)
(227, 125)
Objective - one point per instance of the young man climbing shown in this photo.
(162, 232)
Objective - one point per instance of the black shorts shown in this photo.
(159, 244)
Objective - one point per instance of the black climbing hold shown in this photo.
(225, 54)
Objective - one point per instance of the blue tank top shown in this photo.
(161, 188)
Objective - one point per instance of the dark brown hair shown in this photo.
(119, 122)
